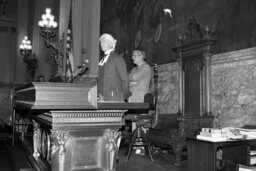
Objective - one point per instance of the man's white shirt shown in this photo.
(105, 59)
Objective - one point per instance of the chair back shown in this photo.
(152, 98)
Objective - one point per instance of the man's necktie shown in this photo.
(103, 60)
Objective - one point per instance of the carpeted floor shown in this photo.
(162, 162)
(14, 159)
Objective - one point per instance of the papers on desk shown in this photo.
(253, 160)
(252, 157)
(250, 133)
(232, 133)
(253, 152)
(216, 135)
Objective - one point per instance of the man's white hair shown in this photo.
(109, 38)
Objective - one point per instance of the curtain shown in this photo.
(77, 26)
(7, 52)
(86, 30)
(63, 27)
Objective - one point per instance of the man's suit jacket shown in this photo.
(113, 78)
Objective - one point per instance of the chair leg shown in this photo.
(144, 137)
(147, 146)
(134, 136)
(129, 152)
(133, 139)
(148, 151)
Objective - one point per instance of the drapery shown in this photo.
(77, 26)
(7, 60)
(63, 27)
(86, 26)
(71, 9)
(7, 51)
(85, 32)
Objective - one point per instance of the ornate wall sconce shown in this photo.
(25, 51)
(48, 29)
(48, 26)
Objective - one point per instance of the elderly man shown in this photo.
(113, 77)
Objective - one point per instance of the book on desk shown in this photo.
(218, 134)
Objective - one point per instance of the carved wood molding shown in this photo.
(95, 116)
(6, 29)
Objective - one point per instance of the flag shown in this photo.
(69, 52)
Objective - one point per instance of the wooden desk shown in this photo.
(202, 155)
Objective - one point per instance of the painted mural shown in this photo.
(148, 25)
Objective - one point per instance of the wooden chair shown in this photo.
(169, 134)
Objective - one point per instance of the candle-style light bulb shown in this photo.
(48, 10)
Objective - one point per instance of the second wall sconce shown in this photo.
(25, 51)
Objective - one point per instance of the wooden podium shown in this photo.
(72, 131)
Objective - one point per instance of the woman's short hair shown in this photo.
(141, 52)
(40, 78)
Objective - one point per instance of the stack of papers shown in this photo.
(211, 134)
(249, 131)
(211, 139)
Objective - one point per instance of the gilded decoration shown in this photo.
(113, 138)
(36, 139)
(60, 138)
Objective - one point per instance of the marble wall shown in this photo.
(168, 97)
(233, 87)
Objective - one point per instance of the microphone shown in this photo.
(82, 68)
(86, 61)
(155, 67)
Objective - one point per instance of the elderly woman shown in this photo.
(139, 77)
